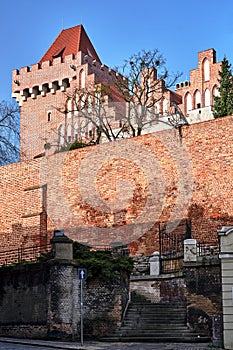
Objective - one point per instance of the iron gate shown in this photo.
(171, 242)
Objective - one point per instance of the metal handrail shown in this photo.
(208, 248)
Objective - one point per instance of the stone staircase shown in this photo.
(148, 322)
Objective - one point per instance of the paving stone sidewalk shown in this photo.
(103, 346)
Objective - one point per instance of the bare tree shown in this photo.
(126, 108)
(9, 132)
(146, 82)
(96, 114)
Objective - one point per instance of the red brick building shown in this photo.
(118, 191)
(197, 94)
(72, 62)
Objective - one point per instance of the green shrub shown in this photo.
(101, 263)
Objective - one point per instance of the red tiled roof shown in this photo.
(70, 41)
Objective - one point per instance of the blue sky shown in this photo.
(178, 28)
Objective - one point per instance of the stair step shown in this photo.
(156, 327)
(152, 339)
(148, 322)
(153, 323)
(158, 320)
(158, 312)
(174, 333)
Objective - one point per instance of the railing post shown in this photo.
(154, 264)
(190, 250)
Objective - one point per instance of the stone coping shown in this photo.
(160, 277)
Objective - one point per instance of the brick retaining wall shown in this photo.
(120, 191)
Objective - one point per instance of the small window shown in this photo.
(82, 79)
(197, 97)
(165, 106)
(59, 53)
(216, 92)
(61, 133)
(49, 116)
(76, 131)
(69, 133)
(90, 133)
(188, 102)
(69, 108)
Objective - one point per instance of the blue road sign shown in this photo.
(82, 274)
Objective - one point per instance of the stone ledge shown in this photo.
(160, 277)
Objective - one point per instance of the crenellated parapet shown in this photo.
(57, 75)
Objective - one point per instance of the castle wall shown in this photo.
(42, 89)
(120, 191)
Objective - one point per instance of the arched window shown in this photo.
(83, 128)
(76, 131)
(61, 133)
(69, 130)
(207, 97)
(69, 108)
(206, 70)
(215, 91)
(197, 99)
(188, 102)
(82, 79)
(165, 106)
(90, 126)
(49, 114)
(157, 108)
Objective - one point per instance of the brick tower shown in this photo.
(70, 62)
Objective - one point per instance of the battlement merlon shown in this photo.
(39, 76)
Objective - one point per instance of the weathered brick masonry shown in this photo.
(120, 191)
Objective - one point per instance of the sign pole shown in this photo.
(82, 275)
(81, 310)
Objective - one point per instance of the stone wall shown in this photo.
(163, 289)
(24, 300)
(42, 300)
(199, 286)
(203, 292)
(104, 304)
